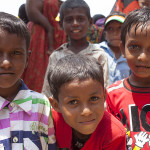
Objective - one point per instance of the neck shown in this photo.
(77, 45)
(80, 136)
(139, 82)
(11, 92)
(116, 50)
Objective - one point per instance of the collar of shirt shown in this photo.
(106, 48)
(25, 104)
(89, 49)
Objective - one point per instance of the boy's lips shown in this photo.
(6, 73)
(142, 66)
(87, 121)
(76, 31)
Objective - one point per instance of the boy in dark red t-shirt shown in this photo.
(129, 99)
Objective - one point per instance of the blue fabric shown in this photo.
(118, 68)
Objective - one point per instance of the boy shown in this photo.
(75, 19)
(117, 65)
(77, 86)
(129, 99)
(24, 114)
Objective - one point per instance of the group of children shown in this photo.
(76, 84)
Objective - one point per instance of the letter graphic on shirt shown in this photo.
(124, 119)
(134, 118)
(144, 111)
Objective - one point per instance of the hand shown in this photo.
(141, 139)
(50, 43)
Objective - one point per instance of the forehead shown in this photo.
(14, 40)
(140, 30)
(74, 11)
(77, 84)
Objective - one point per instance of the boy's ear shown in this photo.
(28, 56)
(122, 49)
(104, 34)
(105, 94)
(90, 22)
(54, 104)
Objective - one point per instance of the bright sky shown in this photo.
(97, 6)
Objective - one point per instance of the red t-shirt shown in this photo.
(109, 134)
(131, 105)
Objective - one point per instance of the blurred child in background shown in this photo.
(117, 65)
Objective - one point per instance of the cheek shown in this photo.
(69, 115)
(20, 65)
(128, 54)
(66, 28)
(106, 36)
(100, 110)
(69, 118)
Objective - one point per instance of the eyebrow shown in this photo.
(72, 97)
(19, 49)
(97, 92)
(77, 96)
(132, 41)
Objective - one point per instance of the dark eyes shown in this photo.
(109, 29)
(68, 20)
(80, 19)
(93, 99)
(16, 53)
(71, 20)
(72, 102)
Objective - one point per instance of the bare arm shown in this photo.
(34, 9)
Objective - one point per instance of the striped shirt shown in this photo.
(26, 122)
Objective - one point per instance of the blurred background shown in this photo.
(97, 6)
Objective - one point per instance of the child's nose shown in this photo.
(5, 63)
(117, 32)
(75, 22)
(86, 111)
(143, 56)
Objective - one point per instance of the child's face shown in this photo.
(144, 3)
(112, 33)
(76, 23)
(82, 104)
(137, 51)
(13, 59)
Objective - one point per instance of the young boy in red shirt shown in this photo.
(80, 121)
(129, 99)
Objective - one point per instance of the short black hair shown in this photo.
(71, 4)
(14, 25)
(113, 14)
(139, 17)
(71, 67)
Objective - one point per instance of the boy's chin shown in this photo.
(87, 129)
